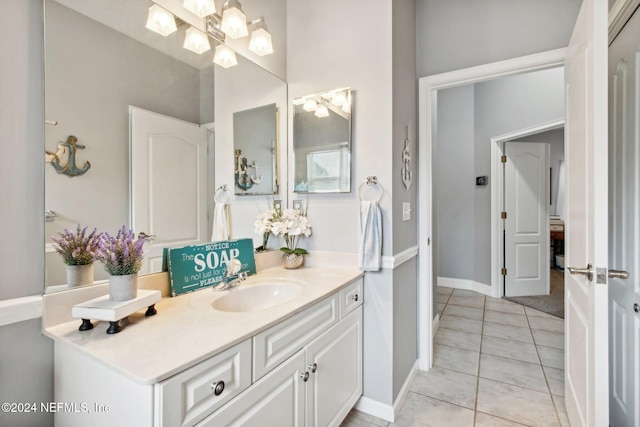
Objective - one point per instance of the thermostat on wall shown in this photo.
(482, 180)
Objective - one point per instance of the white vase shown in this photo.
(123, 288)
(78, 275)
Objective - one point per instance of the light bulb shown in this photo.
(322, 111)
(310, 105)
(201, 8)
(161, 21)
(260, 43)
(339, 99)
(234, 21)
(196, 41)
(225, 57)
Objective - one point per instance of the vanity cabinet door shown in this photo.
(334, 363)
(277, 399)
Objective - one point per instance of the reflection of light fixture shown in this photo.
(161, 21)
(339, 99)
(260, 43)
(225, 57)
(201, 8)
(196, 41)
(322, 111)
(309, 105)
(234, 21)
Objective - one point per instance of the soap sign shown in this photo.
(200, 266)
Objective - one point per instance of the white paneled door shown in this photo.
(586, 235)
(168, 183)
(526, 202)
(624, 225)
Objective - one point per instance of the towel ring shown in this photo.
(223, 195)
(371, 181)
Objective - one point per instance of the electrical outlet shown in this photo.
(277, 205)
(298, 205)
(406, 211)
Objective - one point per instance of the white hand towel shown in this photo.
(370, 244)
(220, 222)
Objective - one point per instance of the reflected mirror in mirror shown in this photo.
(255, 146)
(100, 62)
(322, 142)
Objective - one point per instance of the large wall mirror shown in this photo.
(322, 142)
(100, 62)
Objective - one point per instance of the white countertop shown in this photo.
(187, 330)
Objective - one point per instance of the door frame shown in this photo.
(427, 114)
(497, 199)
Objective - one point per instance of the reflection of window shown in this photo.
(328, 170)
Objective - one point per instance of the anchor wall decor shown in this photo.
(242, 177)
(70, 169)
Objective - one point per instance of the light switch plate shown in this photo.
(298, 205)
(406, 211)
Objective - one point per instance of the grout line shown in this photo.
(475, 407)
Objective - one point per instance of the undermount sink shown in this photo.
(257, 297)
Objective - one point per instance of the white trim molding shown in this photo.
(427, 112)
(469, 285)
(619, 14)
(385, 411)
(20, 309)
(391, 262)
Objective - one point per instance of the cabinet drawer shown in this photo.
(350, 298)
(277, 343)
(189, 396)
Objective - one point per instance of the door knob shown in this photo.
(584, 271)
(618, 274)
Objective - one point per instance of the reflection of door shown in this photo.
(586, 330)
(526, 190)
(168, 183)
(624, 228)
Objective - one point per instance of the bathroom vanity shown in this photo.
(282, 349)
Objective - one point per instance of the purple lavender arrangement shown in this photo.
(121, 254)
(77, 248)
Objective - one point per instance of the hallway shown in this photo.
(496, 363)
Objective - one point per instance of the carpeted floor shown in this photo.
(553, 303)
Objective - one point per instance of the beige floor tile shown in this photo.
(499, 304)
(484, 420)
(467, 293)
(442, 299)
(360, 419)
(422, 411)
(516, 404)
(461, 324)
(510, 371)
(474, 302)
(444, 290)
(544, 324)
(458, 339)
(506, 318)
(447, 385)
(456, 359)
(551, 356)
(555, 379)
(548, 339)
(466, 312)
(441, 308)
(508, 332)
(562, 411)
(532, 312)
(511, 349)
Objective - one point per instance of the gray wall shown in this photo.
(499, 107)
(456, 34)
(26, 357)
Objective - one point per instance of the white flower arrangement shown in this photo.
(291, 224)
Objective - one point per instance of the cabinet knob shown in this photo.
(354, 297)
(636, 308)
(313, 368)
(217, 388)
(305, 376)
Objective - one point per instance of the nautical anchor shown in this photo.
(242, 178)
(256, 179)
(406, 158)
(70, 169)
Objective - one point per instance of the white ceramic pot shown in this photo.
(123, 288)
(78, 275)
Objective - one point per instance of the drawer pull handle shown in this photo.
(217, 388)
(305, 376)
(313, 368)
(355, 297)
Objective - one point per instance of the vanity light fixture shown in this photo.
(322, 111)
(309, 105)
(339, 99)
(161, 21)
(225, 57)
(234, 21)
(196, 41)
(260, 43)
(201, 8)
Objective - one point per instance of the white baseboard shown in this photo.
(385, 411)
(20, 309)
(469, 285)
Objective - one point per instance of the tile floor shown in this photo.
(496, 363)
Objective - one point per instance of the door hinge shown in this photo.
(503, 215)
(503, 272)
(503, 159)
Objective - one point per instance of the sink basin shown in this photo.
(257, 297)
